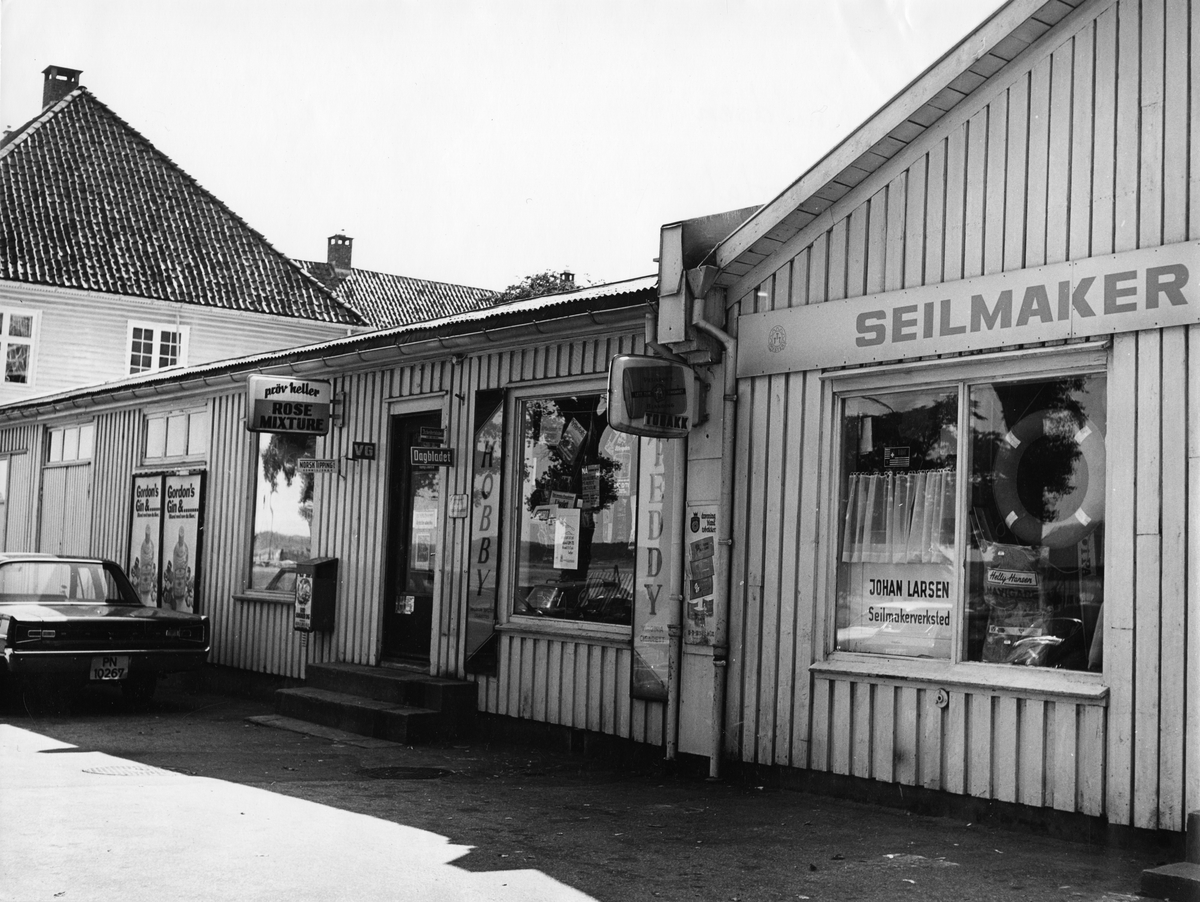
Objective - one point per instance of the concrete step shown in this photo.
(1178, 882)
(401, 687)
(365, 716)
(397, 705)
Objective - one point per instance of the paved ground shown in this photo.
(253, 812)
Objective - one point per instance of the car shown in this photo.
(80, 619)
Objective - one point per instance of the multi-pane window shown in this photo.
(156, 347)
(176, 434)
(1005, 475)
(71, 444)
(576, 534)
(16, 344)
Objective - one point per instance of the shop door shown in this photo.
(413, 540)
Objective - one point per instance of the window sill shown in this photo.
(266, 597)
(998, 679)
(570, 630)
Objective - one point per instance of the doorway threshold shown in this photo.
(414, 665)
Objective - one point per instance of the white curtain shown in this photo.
(899, 518)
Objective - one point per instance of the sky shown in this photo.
(481, 141)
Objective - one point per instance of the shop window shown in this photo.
(154, 346)
(16, 346)
(576, 541)
(71, 444)
(283, 510)
(176, 435)
(1027, 515)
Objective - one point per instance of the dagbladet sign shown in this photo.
(1145, 289)
(287, 405)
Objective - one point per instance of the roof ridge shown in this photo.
(393, 275)
(258, 235)
(31, 126)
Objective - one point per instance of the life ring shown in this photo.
(1072, 525)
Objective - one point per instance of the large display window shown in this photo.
(971, 518)
(575, 511)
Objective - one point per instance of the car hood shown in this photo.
(51, 613)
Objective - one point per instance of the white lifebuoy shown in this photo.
(1073, 525)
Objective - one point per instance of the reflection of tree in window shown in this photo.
(279, 459)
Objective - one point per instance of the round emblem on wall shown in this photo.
(776, 339)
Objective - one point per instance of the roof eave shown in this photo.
(911, 98)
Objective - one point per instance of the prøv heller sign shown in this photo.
(276, 404)
(1143, 289)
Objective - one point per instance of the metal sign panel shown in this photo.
(431, 457)
(316, 465)
(1152, 288)
(650, 396)
(275, 404)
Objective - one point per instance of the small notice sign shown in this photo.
(316, 465)
(362, 451)
(432, 457)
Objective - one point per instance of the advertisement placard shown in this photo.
(145, 537)
(897, 609)
(276, 404)
(700, 538)
(181, 534)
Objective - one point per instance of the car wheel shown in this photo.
(140, 688)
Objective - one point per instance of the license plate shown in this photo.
(110, 667)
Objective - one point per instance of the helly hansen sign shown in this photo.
(1144, 289)
(287, 405)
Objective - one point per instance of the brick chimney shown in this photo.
(340, 248)
(568, 280)
(59, 82)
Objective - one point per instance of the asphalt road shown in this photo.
(613, 834)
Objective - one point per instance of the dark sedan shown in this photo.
(80, 618)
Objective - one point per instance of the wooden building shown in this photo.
(931, 532)
(964, 546)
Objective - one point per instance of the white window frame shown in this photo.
(195, 424)
(616, 634)
(31, 341)
(157, 329)
(70, 445)
(1083, 358)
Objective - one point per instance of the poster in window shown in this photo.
(145, 537)
(181, 541)
(566, 538)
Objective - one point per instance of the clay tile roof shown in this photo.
(87, 202)
(386, 300)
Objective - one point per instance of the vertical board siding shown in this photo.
(117, 446)
(561, 680)
(1087, 144)
(22, 445)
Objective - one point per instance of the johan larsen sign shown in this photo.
(1144, 289)
(276, 404)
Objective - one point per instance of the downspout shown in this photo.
(675, 573)
(724, 551)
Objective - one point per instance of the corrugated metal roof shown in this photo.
(86, 202)
(611, 297)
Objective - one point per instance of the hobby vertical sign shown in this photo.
(275, 404)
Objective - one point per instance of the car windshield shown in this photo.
(58, 581)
